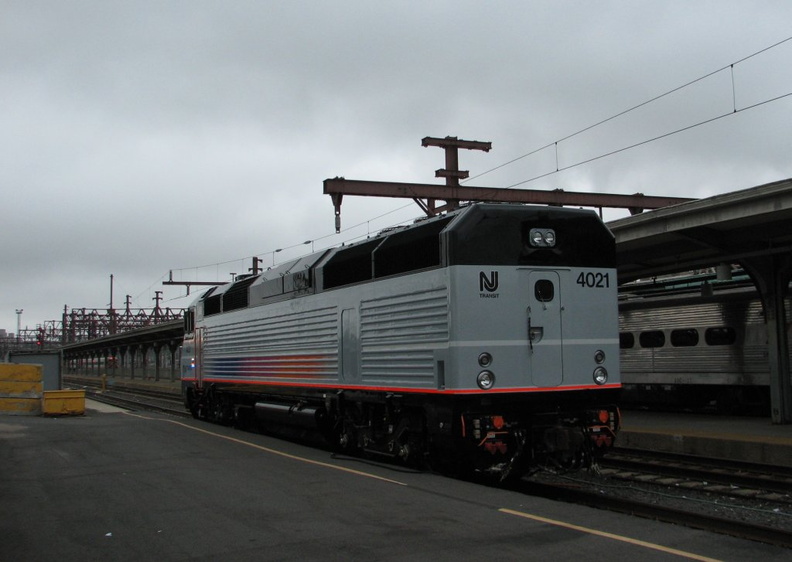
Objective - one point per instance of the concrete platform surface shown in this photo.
(115, 485)
(747, 439)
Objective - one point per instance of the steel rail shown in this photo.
(727, 473)
(731, 527)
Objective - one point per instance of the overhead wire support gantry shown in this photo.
(427, 195)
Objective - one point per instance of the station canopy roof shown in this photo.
(705, 232)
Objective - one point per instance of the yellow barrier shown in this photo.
(20, 389)
(63, 402)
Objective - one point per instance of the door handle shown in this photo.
(535, 333)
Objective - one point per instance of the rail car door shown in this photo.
(545, 328)
(198, 356)
(350, 346)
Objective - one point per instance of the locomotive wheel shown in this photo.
(195, 410)
(194, 404)
(219, 408)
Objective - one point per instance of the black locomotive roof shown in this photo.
(487, 234)
(498, 234)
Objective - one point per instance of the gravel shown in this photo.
(689, 496)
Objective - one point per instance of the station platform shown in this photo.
(734, 438)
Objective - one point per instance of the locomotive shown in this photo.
(482, 340)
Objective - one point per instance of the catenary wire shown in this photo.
(633, 108)
(555, 143)
(653, 139)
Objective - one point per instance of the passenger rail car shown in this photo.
(485, 338)
(704, 352)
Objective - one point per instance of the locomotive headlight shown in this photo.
(542, 237)
(599, 356)
(485, 359)
(600, 375)
(486, 380)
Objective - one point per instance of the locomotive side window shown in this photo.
(238, 296)
(684, 338)
(212, 305)
(350, 265)
(626, 340)
(189, 321)
(653, 338)
(720, 336)
(544, 290)
(409, 250)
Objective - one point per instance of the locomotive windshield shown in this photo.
(501, 235)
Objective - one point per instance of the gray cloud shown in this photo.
(139, 137)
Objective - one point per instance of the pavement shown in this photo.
(119, 485)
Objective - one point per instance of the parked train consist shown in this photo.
(695, 343)
(485, 338)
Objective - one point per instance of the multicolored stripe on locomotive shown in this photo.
(485, 338)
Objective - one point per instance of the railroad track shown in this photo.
(132, 397)
(738, 479)
(745, 500)
(576, 494)
(126, 400)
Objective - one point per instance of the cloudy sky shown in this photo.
(140, 137)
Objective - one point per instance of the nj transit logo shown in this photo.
(488, 284)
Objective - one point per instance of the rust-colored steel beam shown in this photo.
(454, 142)
(337, 187)
(189, 284)
(451, 172)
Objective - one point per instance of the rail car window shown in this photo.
(544, 290)
(350, 265)
(684, 338)
(722, 335)
(626, 340)
(652, 338)
(410, 249)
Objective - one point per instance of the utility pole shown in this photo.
(255, 270)
(19, 322)
(451, 145)
(113, 327)
(451, 172)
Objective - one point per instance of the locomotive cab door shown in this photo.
(545, 328)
